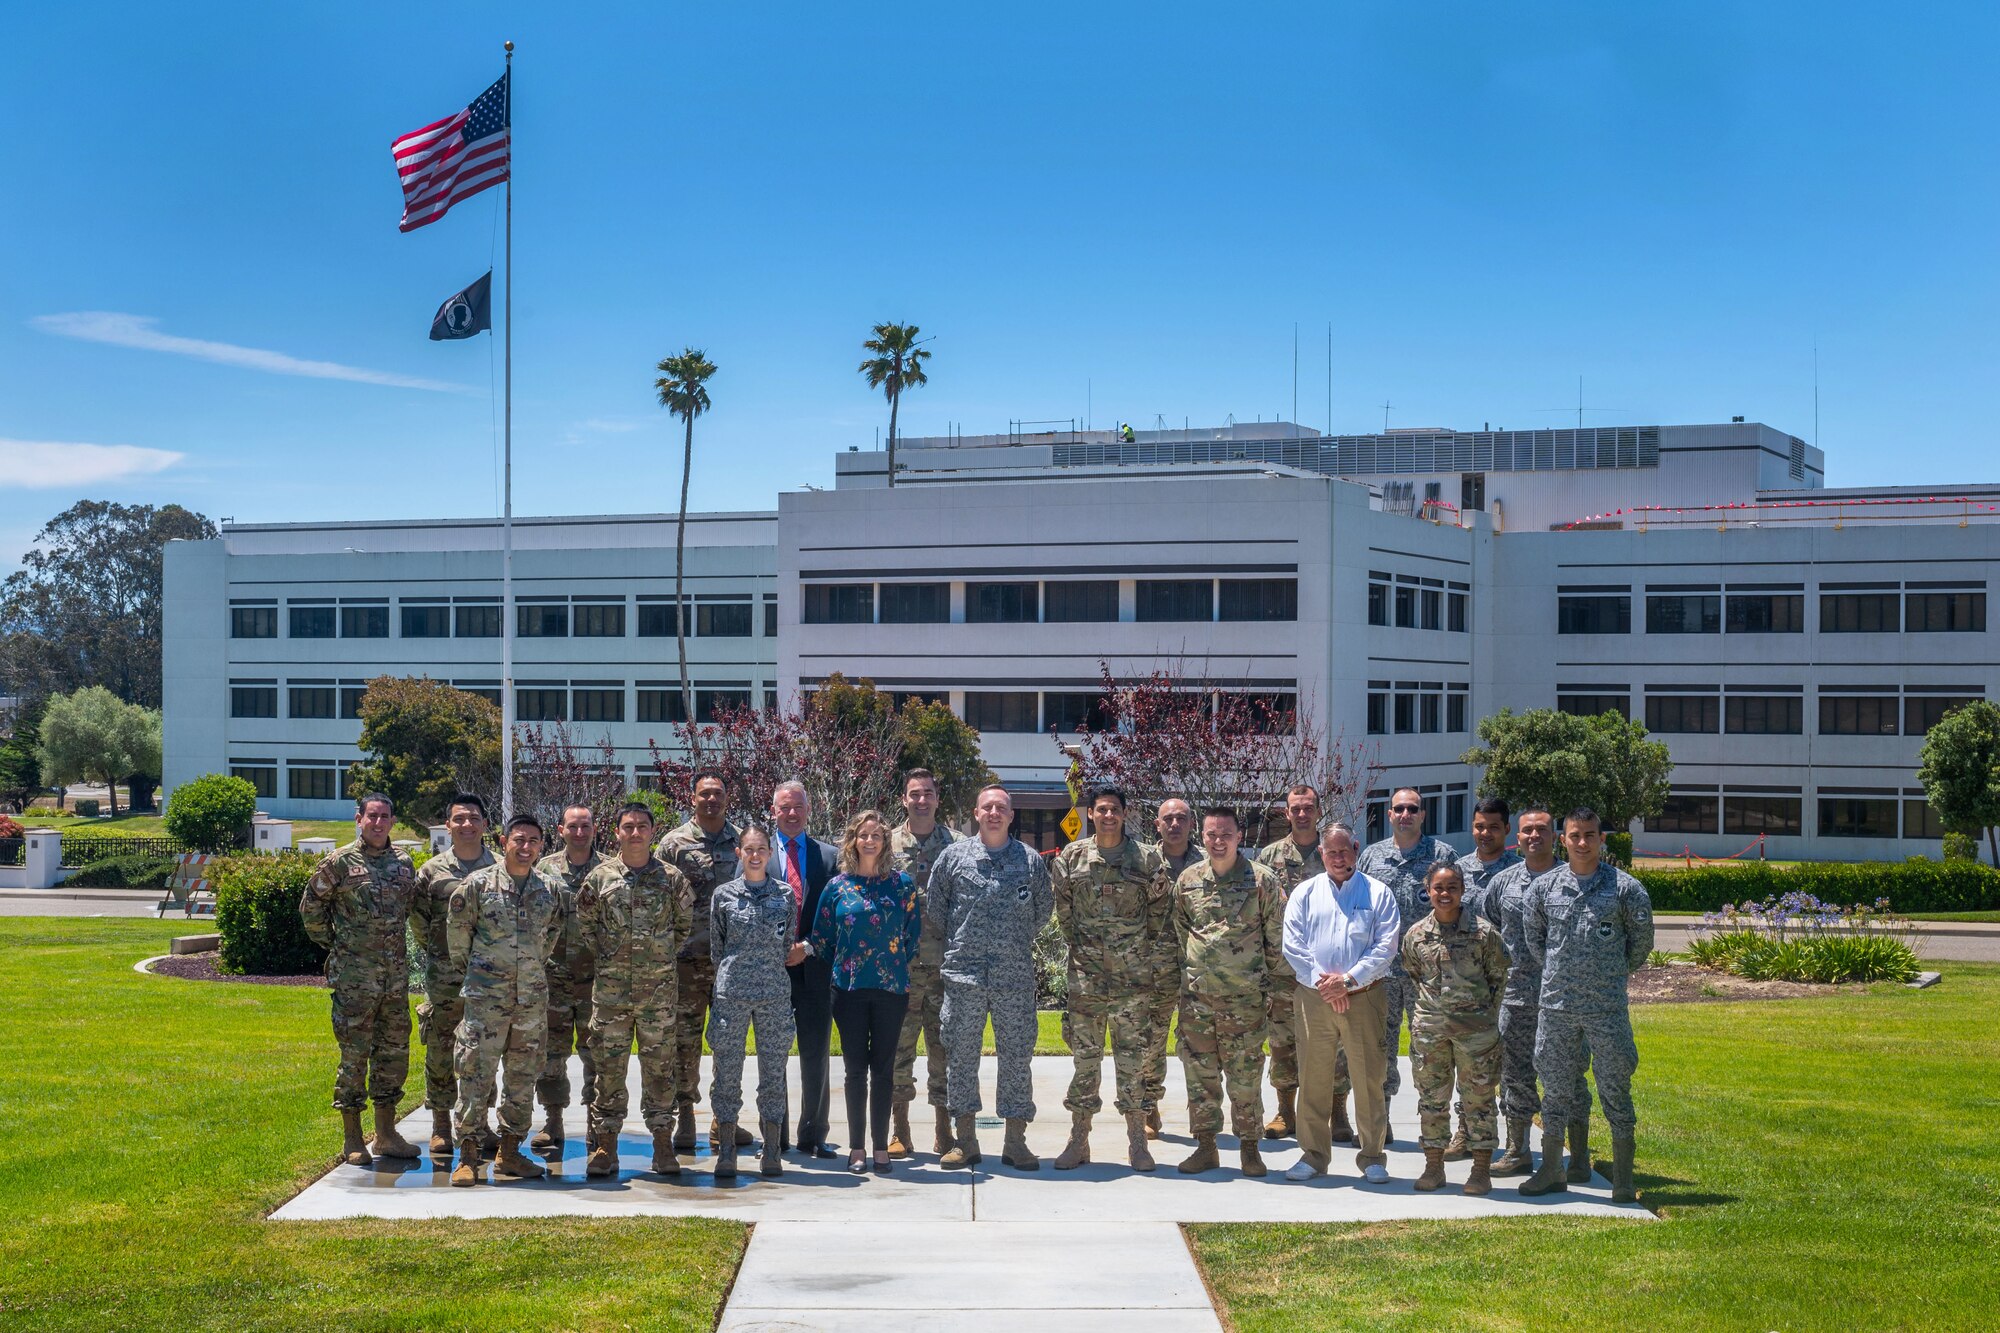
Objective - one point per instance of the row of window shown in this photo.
(1054, 602)
(1020, 712)
(1775, 714)
(1407, 707)
(1840, 816)
(315, 781)
(1409, 602)
(481, 620)
(532, 703)
(1774, 613)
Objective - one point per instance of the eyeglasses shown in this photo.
(1406, 809)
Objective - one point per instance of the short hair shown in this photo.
(1227, 812)
(634, 808)
(1585, 813)
(1306, 787)
(525, 820)
(850, 855)
(1448, 868)
(1537, 809)
(701, 775)
(1098, 793)
(920, 775)
(1396, 791)
(362, 803)
(1494, 805)
(458, 799)
(1169, 800)
(1330, 827)
(578, 805)
(993, 786)
(790, 784)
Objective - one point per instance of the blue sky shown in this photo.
(1125, 206)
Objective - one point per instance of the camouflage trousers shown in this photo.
(1163, 997)
(966, 1008)
(614, 1030)
(695, 987)
(1097, 1003)
(498, 1038)
(1402, 1005)
(1444, 1051)
(1566, 1044)
(437, 1024)
(1284, 1047)
(1519, 1099)
(1221, 1036)
(569, 1028)
(372, 1028)
(925, 1017)
(729, 1024)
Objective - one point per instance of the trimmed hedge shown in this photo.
(1915, 885)
(133, 871)
(257, 915)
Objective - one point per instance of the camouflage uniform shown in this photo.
(1163, 984)
(915, 856)
(993, 904)
(569, 993)
(356, 906)
(632, 922)
(1587, 935)
(1505, 905)
(1232, 933)
(750, 930)
(1112, 909)
(1479, 876)
(1460, 972)
(1402, 873)
(1293, 865)
(501, 935)
(438, 1016)
(707, 860)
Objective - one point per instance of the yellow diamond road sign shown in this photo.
(1072, 826)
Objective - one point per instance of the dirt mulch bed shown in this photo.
(204, 967)
(1696, 985)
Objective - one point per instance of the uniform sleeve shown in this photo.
(580, 941)
(1160, 902)
(1535, 926)
(556, 945)
(1412, 963)
(683, 905)
(1041, 896)
(1493, 958)
(1277, 972)
(718, 927)
(461, 919)
(425, 909)
(1062, 889)
(316, 903)
(1178, 914)
(1638, 923)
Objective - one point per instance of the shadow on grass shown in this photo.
(1661, 1193)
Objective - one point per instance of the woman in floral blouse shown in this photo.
(867, 930)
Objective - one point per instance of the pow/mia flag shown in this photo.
(467, 313)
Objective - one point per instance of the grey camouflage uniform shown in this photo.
(1163, 986)
(1459, 971)
(1232, 933)
(1293, 865)
(443, 1007)
(502, 933)
(356, 907)
(993, 904)
(1479, 876)
(749, 934)
(1402, 873)
(915, 856)
(633, 922)
(1112, 909)
(1588, 936)
(569, 993)
(708, 860)
(1504, 903)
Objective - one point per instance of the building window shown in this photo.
(661, 706)
(264, 777)
(722, 620)
(1406, 714)
(1684, 613)
(1175, 599)
(1860, 613)
(600, 620)
(1268, 713)
(1921, 712)
(899, 699)
(1088, 601)
(1766, 613)
(1001, 603)
(1432, 606)
(598, 705)
(253, 701)
(253, 622)
(310, 622)
(1594, 615)
(1764, 715)
(310, 784)
(708, 702)
(656, 620)
(1457, 711)
(543, 620)
(770, 619)
(1590, 705)
(1857, 715)
(1260, 599)
(1774, 816)
(1857, 817)
(1460, 616)
(477, 622)
(312, 701)
(490, 693)
(364, 622)
(1920, 822)
(1945, 613)
(1406, 608)
(1073, 712)
(1378, 709)
(1430, 712)
(350, 702)
(427, 622)
(915, 603)
(840, 604)
(1683, 714)
(1686, 812)
(1454, 812)
(1378, 599)
(540, 705)
(997, 712)
(770, 698)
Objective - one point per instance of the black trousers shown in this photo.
(870, 1023)
(812, 1009)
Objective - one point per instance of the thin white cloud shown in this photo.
(141, 331)
(575, 432)
(49, 465)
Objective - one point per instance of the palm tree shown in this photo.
(683, 389)
(898, 364)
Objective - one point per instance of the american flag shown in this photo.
(454, 158)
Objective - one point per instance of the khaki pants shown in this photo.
(1322, 1036)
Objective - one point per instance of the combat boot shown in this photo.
(1456, 1151)
(774, 1153)
(551, 1135)
(388, 1143)
(1077, 1151)
(471, 1164)
(738, 1136)
(1136, 1150)
(603, 1154)
(1014, 1151)
(1579, 1153)
(1285, 1123)
(489, 1142)
(1203, 1158)
(664, 1161)
(684, 1126)
(1621, 1171)
(353, 1148)
(1516, 1161)
(441, 1143)
(941, 1135)
(1252, 1160)
(1433, 1176)
(1549, 1177)
(510, 1163)
(1342, 1131)
(723, 1136)
(965, 1146)
(1153, 1124)
(1481, 1179)
(899, 1131)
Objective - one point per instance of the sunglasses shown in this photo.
(1406, 809)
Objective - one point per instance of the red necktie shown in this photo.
(798, 886)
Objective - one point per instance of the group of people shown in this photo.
(1508, 967)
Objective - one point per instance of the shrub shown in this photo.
(1916, 885)
(1961, 847)
(87, 807)
(127, 871)
(257, 914)
(663, 814)
(1799, 938)
(1618, 846)
(210, 813)
(9, 828)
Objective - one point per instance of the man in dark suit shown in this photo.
(807, 864)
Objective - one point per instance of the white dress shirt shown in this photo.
(1353, 929)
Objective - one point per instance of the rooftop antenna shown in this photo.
(1329, 379)
(1088, 387)
(1815, 390)
(1385, 416)
(1295, 379)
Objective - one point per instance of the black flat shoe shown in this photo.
(883, 1168)
(859, 1168)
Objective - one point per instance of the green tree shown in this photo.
(1960, 769)
(211, 812)
(897, 364)
(1564, 761)
(84, 608)
(426, 741)
(936, 738)
(20, 758)
(683, 390)
(93, 734)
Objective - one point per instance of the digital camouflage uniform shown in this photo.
(750, 930)
(443, 1007)
(1588, 936)
(915, 856)
(356, 907)
(633, 923)
(1402, 873)
(993, 904)
(1504, 903)
(1479, 876)
(1459, 971)
(1163, 985)
(569, 993)
(1293, 865)
(707, 860)
(1112, 908)
(1232, 933)
(501, 934)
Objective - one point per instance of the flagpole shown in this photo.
(507, 511)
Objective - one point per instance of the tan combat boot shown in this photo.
(1153, 1123)
(489, 1142)
(1516, 1160)
(664, 1161)
(965, 1147)
(441, 1144)
(1077, 1151)
(1549, 1177)
(511, 1164)
(1433, 1176)
(723, 1136)
(1342, 1131)
(1579, 1153)
(899, 1130)
(774, 1156)
(684, 1126)
(1251, 1158)
(1456, 1151)
(738, 1136)
(471, 1164)
(1203, 1158)
(941, 1135)
(603, 1159)
(551, 1134)
(1136, 1150)
(388, 1143)
(1481, 1179)
(353, 1148)
(1014, 1150)
(1285, 1123)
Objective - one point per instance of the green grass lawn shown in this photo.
(1819, 1164)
